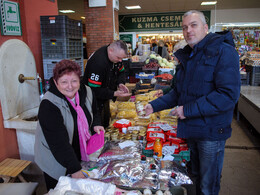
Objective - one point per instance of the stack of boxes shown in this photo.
(61, 38)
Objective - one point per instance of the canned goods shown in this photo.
(114, 136)
(140, 108)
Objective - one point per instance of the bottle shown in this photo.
(47, 86)
(157, 147)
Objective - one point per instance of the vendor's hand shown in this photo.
(123, 88)
(97, 129)
(178, 111)
(78, 174)
(159, 93)
(119, 93)
(148, 109)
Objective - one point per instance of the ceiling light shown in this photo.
(82, 17)
(133, 7)
(209, 3)
(66, 11)
(255, 24)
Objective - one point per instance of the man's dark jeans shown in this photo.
(206, 165)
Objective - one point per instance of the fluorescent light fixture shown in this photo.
(209, 3)
(253, 24)
(82, 17)
(133, 7)
(67, 11)
(172, 34)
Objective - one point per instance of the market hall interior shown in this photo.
(242, 150)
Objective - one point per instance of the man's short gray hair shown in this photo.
(201, 15)
(119, 44)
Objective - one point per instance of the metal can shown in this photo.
(140, 108)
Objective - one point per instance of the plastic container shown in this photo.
(48, 65)
(62, 48)
(182, 155)
(157, 148)
(60, 26)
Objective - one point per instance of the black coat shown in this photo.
(55, 132)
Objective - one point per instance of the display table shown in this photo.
(249, 105)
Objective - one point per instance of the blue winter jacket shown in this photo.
(207, 86)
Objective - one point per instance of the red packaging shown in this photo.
(184, 147)
(119, 124)
(154, 125)
(172, 133)
(155, 130)
(149, 146)
(175, 139)
(177, 151)
(167, 143)
(151, 136)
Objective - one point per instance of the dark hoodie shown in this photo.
(55, 132)
(208, 87)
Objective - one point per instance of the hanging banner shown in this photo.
(154, 21)
(10, 18)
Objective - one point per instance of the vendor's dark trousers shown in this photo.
(105, 114)
(206, 165)
(50, 182)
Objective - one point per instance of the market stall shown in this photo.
(141, 155)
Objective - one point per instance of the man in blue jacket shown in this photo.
(207, 89)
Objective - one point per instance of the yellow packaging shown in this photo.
(127, 114)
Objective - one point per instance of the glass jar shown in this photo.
(134, 136)
(114, 136)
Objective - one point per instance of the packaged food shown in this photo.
(126, 106)
(175, 139)
(167, 143)
(152, 95)
(141, 97)
(127, 114)
(136, 128)
(149, 146)
(172, 133)
(121, 123)
(153, 136)
(155, 130)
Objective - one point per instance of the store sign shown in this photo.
(10, 18)
(154, 22)
(128, 38)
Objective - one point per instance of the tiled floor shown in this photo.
(241, 170)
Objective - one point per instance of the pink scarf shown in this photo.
(83, 127)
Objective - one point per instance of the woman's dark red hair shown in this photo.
(65, 67)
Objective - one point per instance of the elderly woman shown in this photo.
(162, 50)
(67, 118)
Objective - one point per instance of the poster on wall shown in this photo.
(10, 18)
